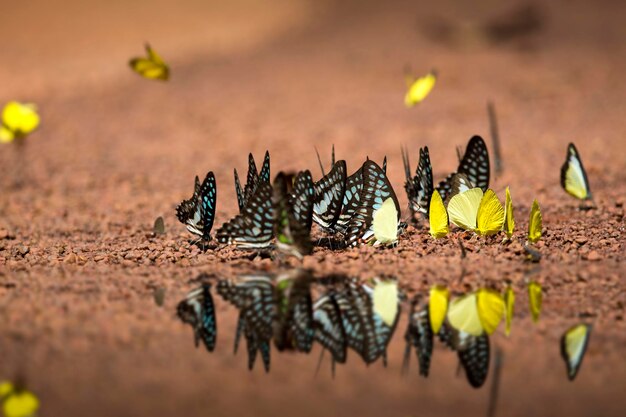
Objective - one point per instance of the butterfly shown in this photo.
(255, 298)
(477, 313)
(385, 319)
(438, 301)
(573, 175)
(252, 181)
(419, 334)
(152, 67)
(329, 192)
(198, 310)
(535, 298)
(351, 200)
(294, 329)
(473, 352)
(376, 190)
(509, 302)
(293, 207)
(17, 401)
(474, 165)
(535, 223)
(198, 213)
(419, 189)
(419, 88)
(18, 120)
(473, 210)
(385, 223)
(509, 221)
(253, 228)
(328, 326)
(438, 217)
(573, 347)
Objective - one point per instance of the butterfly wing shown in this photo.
(294, 213)
(463, 208)
(252, 179)
(475, 163)
(152, 67)
(474, 355)
(351, 199)
(241, 200)
(535, 223)
(491, 309)
(463, 315)
(189, 212)
(295, 328)
(438, 306)
(423, 181)
(573, 347)
(419, 89)
(420, 335)
(573, 175)
(329, 193)
(385, 223)
(385, 300)
(490, 216)
(438, 217)
(509, 219)
(254, 228)
(198, 310)
(535, 300)
(208, 199)
(264, 175)
(328, 325)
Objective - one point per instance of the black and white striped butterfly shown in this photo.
(351, 200)
(294, 329)
(255, 298)
(419, 335)
(198, 213)
(293, 207)
(198, 310)
(473, 352)
(328, 197)
(253, 228)
(376, 190)
(252, 181)
(419, 188)
(328, 325)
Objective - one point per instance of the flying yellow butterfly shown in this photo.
(535, 223)
(385, 223)
(509, 301)
(477, 313)
(509, 221)
(419, 89)
(573, 347)
(385, 299)
(535, 299)
(152, 67)
(471, 210)
(573, 175)
(438, 306)
(16, 401)
(18, 120)
(437, 216)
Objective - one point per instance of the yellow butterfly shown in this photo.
(471, 210)
(386, 300)
(385, 223)
(509, 221)
(573, 175)
(509, 301)
(17, 402)
(573, 347)
(419, 89)
(535, 223)
(438, 216)
(18, 120)
(535, 299)
(438, 306)
(477, 312)
(152, 67)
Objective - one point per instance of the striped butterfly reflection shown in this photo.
(253, 179)
(328, 327)
(293, 207)
(419, 335)
(198, 310)
(473, 352)
(254, 297)
(294, 329)
(198, 213)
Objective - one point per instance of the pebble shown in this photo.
(594, 255)
(581, 240)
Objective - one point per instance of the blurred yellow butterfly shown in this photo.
(573, 347)
(437, 216)
(491, 308)
(509, 221)
(477, 313)
(18, 120)
(471, 210)
(385, 223)
(17, 402)
(438, 306)
(386, 300)
(535, 299)
(573, 175)
(509, 301)
(419, 89)
(152, 67)
(535, 223)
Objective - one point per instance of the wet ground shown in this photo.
(79, 265)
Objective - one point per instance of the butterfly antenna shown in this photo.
(332, 160)
(319, 362)
(320, 161)
(459, 154)
(405, 162)
(385, 164)
(495, 136)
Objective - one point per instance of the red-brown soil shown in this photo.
(79, 267)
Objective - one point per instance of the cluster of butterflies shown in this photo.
(349, 314)
(359, 208)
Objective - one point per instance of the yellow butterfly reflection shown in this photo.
(151, 67)
(509, 301)
(438, 306)
(477, 313)
(18, 120)
(385, 300)
(573, 347)
(535, 300)
(419, 89)
(471, 210)
(17, 401)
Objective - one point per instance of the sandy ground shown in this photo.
(78, 265)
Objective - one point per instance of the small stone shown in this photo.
(70, 259)
(593, 256)
(581, 240)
